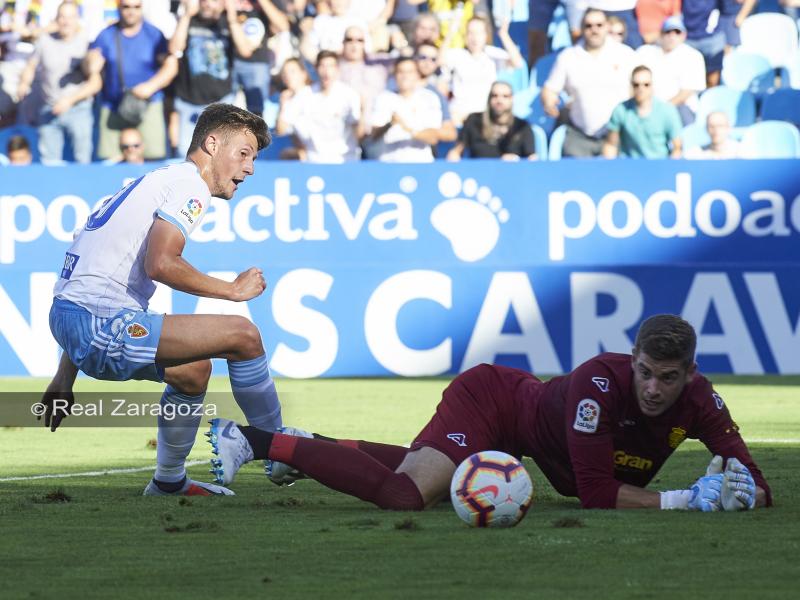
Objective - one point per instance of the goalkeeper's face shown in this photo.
(658, 383)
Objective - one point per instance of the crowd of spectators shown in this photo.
(391, 80)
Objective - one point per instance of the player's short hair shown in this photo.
(228, 119)
(667, 337)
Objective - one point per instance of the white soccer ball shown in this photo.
(491, 489)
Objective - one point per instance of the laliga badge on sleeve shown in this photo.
(587, 416)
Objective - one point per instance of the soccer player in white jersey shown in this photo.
(99, 314)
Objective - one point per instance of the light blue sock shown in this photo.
(176, 434)
(255, 392)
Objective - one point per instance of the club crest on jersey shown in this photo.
(587, 416)
(601, 383)
(718, 400)
(135, 330)
(676, 437)
(458, 438)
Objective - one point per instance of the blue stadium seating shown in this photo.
(695, 136)
(523, 103)
(558, 30)
(557, 143)
(516, 78)
(771, 139)
(273, 151)
(745, 71)
(4, 162)
(772, 35)
(782, 105)
(541, 70)
(540, 141)
(740, 106)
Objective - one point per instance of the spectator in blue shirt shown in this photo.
(146, 70)
(643, 126)
(703, 34)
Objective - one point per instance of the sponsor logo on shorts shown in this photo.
(676, 437)
(718, 401)
(601, 383)
(622, 459)
(136, 330)
(587, 416)
(458, 438)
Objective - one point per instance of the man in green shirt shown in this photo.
(643, 126)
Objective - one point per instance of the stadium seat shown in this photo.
(541, 70)
(557, 143)
(523, 103)
(744, 71)
(794, 71)
(782, 105)
(695, 136)
(772, 35)
(516, 78)
(271, 108)
(740, 106)
(273, 151)
(541, 118)
(540, 141)
(27, 131)
(771, 139)
(4, 162)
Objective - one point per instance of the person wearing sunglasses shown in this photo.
(643, 126)
(679, 72)
(595, 74)
(146, 69)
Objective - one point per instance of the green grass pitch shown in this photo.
(306, 541)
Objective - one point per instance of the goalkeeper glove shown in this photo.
(738, 487)
(704, 495)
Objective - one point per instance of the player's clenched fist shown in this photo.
(248, 285)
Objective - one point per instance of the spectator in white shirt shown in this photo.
(406, 124)
(679, 71)
(325, 118)
(473, 69)
(595, 73)
(721, 146)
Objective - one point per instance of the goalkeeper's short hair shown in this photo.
(667, 337)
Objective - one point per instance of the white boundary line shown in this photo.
(192, 463)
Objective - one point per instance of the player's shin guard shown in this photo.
(177, 429)
(255, 393)
(342, 468)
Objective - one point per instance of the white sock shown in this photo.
(177, 429)
(255, 393)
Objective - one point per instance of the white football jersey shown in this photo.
(104, 267)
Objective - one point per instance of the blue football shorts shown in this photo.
(118, 348)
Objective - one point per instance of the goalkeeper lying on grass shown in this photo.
(600, 433)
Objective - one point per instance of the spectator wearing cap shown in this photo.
(137, 50)
(679, 72)
(722, 146)
(651, 15)
(595, 73)
(643, 126)
(702, 34)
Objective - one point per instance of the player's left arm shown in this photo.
(164, 263)
(720, 434)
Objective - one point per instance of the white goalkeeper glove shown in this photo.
(738, 487)
(705, 494)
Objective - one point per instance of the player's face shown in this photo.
(658, 383)
(232, 161)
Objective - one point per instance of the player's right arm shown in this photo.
(164, 263)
